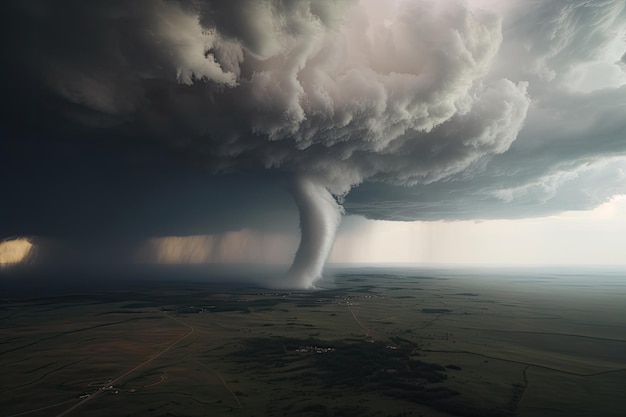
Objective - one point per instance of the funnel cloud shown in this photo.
(320, 216)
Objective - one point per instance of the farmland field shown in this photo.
(373, 342)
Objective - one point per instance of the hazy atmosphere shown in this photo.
(313, 208)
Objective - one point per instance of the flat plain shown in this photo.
(373, 342)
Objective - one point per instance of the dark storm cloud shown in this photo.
(442, 110)
(571, 155)
(294, 86)
(87, 189)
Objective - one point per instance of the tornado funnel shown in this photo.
(320, 215)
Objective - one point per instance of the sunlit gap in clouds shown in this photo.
(614, 208)
(15, 251)
(243, 246)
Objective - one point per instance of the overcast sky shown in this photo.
(495, 131)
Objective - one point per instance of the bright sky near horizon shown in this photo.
(594, 237)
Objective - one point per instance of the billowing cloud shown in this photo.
(320, 87)
(570, 152)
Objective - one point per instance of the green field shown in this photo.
(378, 343)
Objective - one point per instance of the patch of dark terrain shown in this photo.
(243, 305)
(327, 411)
(330, 293)
(363, 289)
(56, 302)
(391, 368)
(133, 299)
(421, 278)
(518, 392)
(106, 313)
(141, 305)
(436, 310)
(367, 276)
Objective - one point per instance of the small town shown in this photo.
(314, 349)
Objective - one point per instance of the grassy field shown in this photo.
(377, 343)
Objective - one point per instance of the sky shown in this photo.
(417, 131)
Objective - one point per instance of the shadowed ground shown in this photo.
(379, 342)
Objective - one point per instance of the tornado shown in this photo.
(320, 215)
(335, 93)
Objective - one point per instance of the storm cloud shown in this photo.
(335, 89)
(431, 109)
